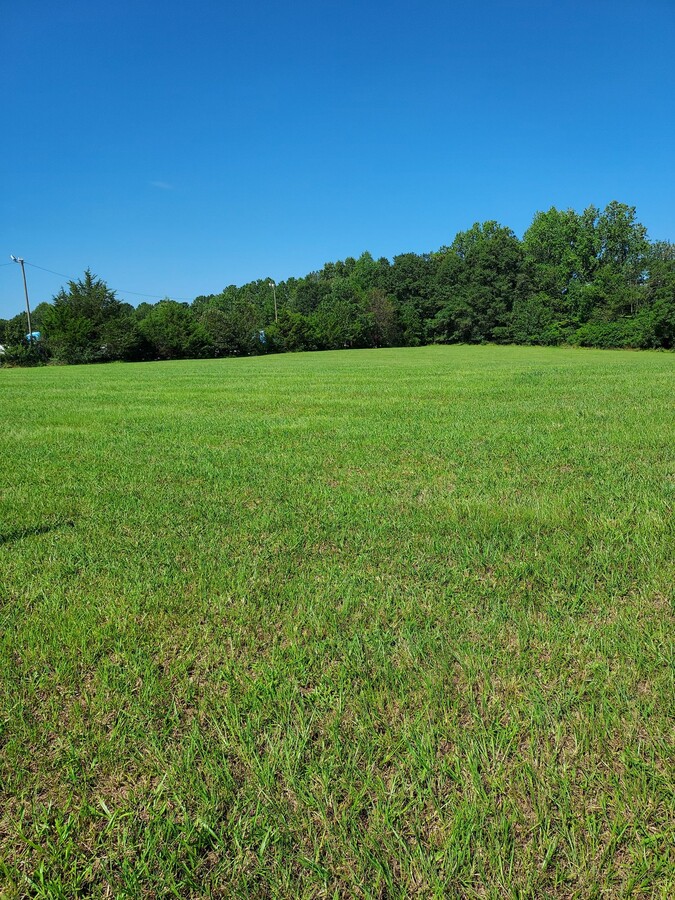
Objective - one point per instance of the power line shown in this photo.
(117, 291)
(60, 274)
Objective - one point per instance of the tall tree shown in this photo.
(75, 324)
(478, 279)
(173, 332)
(384, 326)
(561, 250)
(622, 260)
(659, 293)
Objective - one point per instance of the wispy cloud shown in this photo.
(162, 185)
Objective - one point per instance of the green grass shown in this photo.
(386, 623)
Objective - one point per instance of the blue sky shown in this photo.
(175, 148)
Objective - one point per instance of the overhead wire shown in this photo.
(117, 290)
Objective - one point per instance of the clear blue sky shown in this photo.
(176, 148)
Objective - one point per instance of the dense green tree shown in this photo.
(412, 326)
(233, 331)
(72, 338)
(622, 259)
(659, 294)
(121, 338)
(246, 311)
(89, 297)
(220, 330)
(478, 278)
(291, 333)
(532, 321)
(412, 279)
(173, 332)
(411, 283)
(623, 240)
(76, 322)
(310, 293)
(384, 325)
(366, 274)
(13, 331)
(339, 323)
(17, 350)
(37, 315)
(561, 249)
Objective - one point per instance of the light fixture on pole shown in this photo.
(274, 289)
(17, 259)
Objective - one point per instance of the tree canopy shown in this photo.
(591, 278)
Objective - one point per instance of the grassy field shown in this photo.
(387, 623)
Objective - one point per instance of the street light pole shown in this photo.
(18, 259)
(274, 289)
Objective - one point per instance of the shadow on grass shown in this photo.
(11, 537)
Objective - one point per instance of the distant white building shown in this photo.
(2, 349)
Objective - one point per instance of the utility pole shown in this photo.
(274, 289)
(17, 259)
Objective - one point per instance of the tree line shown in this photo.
(590, 279)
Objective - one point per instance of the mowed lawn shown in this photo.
(388, 623)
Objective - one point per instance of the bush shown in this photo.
(24, 355)
(635, 333)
